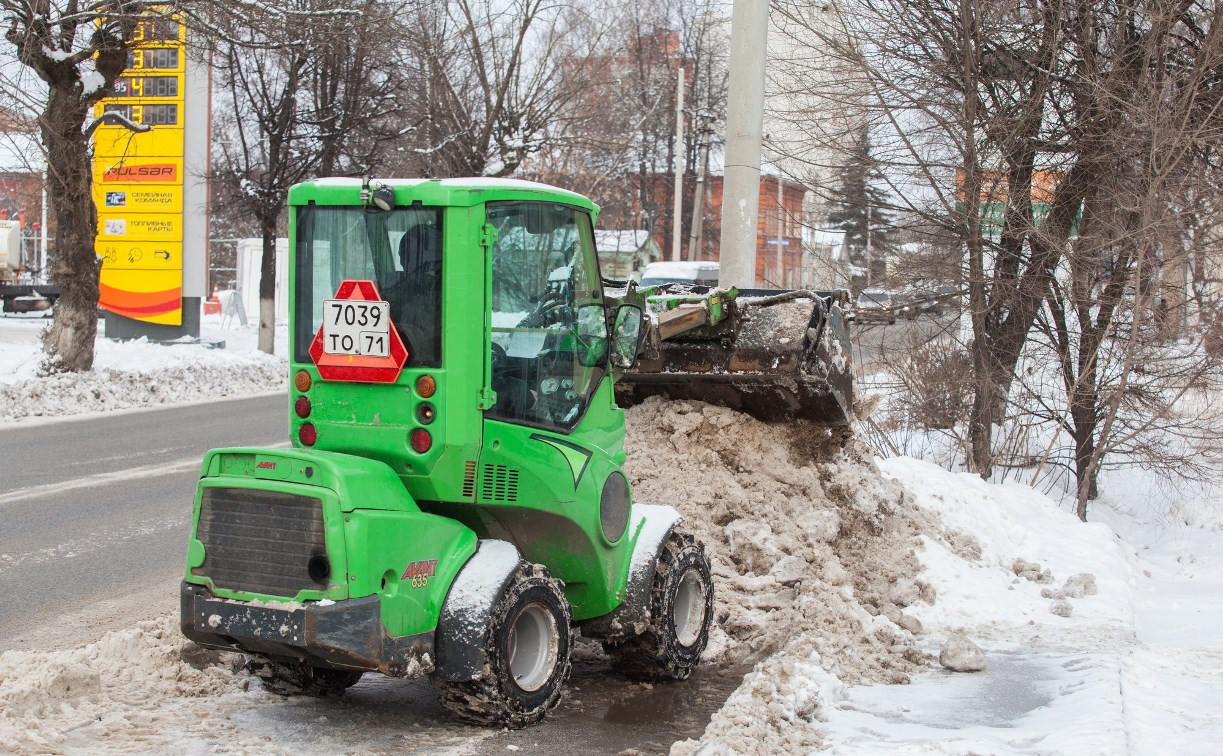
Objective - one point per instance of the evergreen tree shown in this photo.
(860, 209)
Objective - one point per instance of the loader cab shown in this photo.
(493, 290)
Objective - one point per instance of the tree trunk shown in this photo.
(267, 288)
(75, 267)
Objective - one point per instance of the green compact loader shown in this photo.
(453, 503)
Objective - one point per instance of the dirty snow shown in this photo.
(134, 374)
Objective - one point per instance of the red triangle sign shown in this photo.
(364, 345)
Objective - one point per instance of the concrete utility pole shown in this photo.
(677, 217)
(749, 30)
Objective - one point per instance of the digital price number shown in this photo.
(147, 86)
(149, 115)
(157, 30)
(356, 327)
(166, 58)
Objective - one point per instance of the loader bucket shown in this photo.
(780, 356)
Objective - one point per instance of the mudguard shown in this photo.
(465, 614)
(652, 523)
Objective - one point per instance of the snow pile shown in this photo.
(813, 554)
(136, 373)
(108, 389)
(1049, 679)
(113, 686)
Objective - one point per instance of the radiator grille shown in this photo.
(469, 480)
(260, 541)
(498, 483)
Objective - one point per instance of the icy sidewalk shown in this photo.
(1135, 669)
(1172, 682)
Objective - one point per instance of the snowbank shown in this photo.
(813, 555)
(131, 374)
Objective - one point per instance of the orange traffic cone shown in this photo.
(213, 305)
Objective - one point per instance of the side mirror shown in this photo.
(591, 331)
(626, 336)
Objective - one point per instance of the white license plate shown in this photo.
(356, 327)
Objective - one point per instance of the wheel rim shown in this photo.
(688, 612)
(533, 647)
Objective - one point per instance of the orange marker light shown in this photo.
(302, 381)
(426, 386)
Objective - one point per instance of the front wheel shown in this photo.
(681, 612)
(527, 640)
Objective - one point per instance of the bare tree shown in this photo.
(483, 84)
(78, 53)
(306, 89)
(984, 101)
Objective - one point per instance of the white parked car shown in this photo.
(698, 273)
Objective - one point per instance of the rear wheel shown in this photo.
(297, 678)
(527, 640)
(681, 612)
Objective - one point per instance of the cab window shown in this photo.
(548, 326)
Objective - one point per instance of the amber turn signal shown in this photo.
(302, 381)
(426, 386)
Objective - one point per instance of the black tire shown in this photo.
(300, 679)
(527, 640)
(681, 612)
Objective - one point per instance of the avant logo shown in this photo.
(148, 172)
(265, 465)
(418, 573)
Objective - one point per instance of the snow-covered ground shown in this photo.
(839, 576)
(135, 373)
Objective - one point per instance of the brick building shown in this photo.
(779, 236)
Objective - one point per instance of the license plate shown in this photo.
(356, 327)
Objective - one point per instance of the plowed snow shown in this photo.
(812, 553)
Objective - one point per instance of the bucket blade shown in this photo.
(785, 361)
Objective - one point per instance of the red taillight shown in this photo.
(307, 434)
(426, 386)
(421, 440)
(302, 381)
(302, 407)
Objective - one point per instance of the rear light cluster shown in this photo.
(419, 439)
(306, 434)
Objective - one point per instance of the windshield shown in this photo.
(400, 251)
(875, 297)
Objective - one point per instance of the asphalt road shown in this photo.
(876, 343)
(94, 513)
